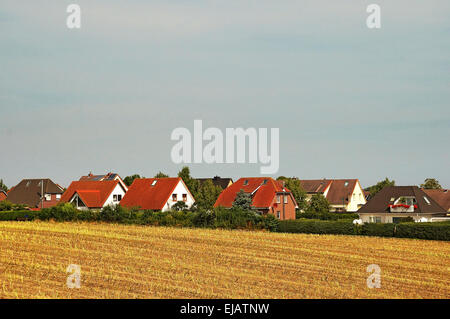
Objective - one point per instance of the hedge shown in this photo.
(436, 231)
(328, 216)
(317, 227)
(17, 215)
(431, 231)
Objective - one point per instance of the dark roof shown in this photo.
(105, 177)
(217, 181)
(28, 191)
(441, 196)
(379, 203)
(315, 185)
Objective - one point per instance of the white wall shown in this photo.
(118, 190)
(358, 199)
(180, 189)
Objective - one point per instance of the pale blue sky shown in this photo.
(350, 102)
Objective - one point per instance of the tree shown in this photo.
(3, 187)
(130, 179)
(379, 186)
(431, 183)
(294, 185)
(192, 184)
(207, 195)
(243, 200)
(161, 175)
(318, 204)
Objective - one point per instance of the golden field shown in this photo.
(119, 261)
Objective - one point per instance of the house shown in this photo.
(217, 181)
(268, 196)
(106, 177)
(393, 203)
(344, 195)
(158, 194)
(441, 196)
(36, 193)
(94, 194)
(3, 195)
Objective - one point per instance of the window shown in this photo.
(119, 198)
(264, 182)
(354, 196)
(285, 199)
(154, 182)
(278, 199)
(58, 196)
(375, 219)
(48, 197)
(184, 197)
(345, 184)
(174, 197)
(246, 182)
(115, 198)
(426, 199)
(278, 214)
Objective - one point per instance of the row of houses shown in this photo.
(268, 196)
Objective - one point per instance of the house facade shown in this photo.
(344, 195)
(394, 203)
(158, 194)
(94, 194)
(36, 193)
(268, 196)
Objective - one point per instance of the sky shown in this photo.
(349, 101)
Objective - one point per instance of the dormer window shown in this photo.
(345, 184)
(154, 182)
(427, 200)
(264, 182)
(246, 182)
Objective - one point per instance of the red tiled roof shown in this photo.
(263, 193)
(93, 193)
(3, 196)
(142, 194)
(441, 196)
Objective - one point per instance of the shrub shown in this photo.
(60, 212)
(435, 231)
(317, 227)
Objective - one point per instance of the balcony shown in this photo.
(402, 208)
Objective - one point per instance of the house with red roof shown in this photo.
(158, 194)
(94, 194)
(344, 195)
(268, 196)
(3, 195)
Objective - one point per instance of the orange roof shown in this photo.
(263, 190)
(93, 193)
(142, 194)
(3, 195)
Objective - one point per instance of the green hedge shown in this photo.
(377, 229)
(317, 227)
(328, 216)
(432, 231)
(437, 231)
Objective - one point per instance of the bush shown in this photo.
(6, 205)
(434, 231)
(60, 212)
(317, 227)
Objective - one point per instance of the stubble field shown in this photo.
(119, 261)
